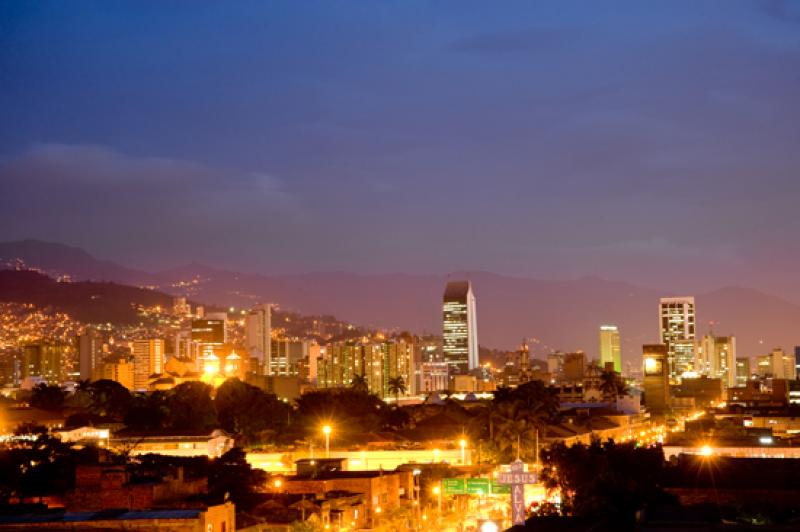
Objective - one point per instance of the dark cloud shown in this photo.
(95, 194)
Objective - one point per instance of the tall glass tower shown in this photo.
(610, 347)
(460, 329)
(677, 327)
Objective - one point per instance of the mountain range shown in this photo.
(550, 314)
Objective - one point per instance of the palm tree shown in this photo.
(612, 385)
(396, 386)
(359, 384)
(608, 384)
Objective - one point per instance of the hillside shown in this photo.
(89, 302)
(557, 314)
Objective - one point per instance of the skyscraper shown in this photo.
(460, 330)
(259, 336)
(610, 350)
(677, 327)
(148, 359)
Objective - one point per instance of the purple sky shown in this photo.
(653, 142)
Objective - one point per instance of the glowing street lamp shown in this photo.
(437, 490)
(463, 444)
(326, 430)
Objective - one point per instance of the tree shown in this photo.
(191, 407)
(516, 416)
(110, 399)
(232, 475)
(612, 385)
(350, 412)
(605, 482)
(48, 397)
(248, 411)
(359, 384)
(396, 387)
(148, 412)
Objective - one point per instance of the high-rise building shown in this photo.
(716, 358)
(209, 331)
(148, 359)
(655, 359)
(783, 364)
(374, 362)
(258, 330)
(610, 350)
(460, 329)
(555, 364)
(90, 354)
(677, 327)
(286, 356)
(742, 371)
(764, 366)
(121, 371)
(43, 360)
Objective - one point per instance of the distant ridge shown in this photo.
(557, 314)
(86, 301)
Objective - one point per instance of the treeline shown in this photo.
(254, 416)
(237, 407)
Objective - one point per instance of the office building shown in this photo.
(655, 363)
(460, 329)
(677, 328)
(90, 354)
(742, 371)
(43, 360)
(783, 364)
(210, 331)
(258, 329)
(610, 350)
(121, 371)
(764, 366)
(148, 359)
(716, 358)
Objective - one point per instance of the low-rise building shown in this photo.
(383, 490)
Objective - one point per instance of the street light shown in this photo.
(463, 444)
(437, 490)
(327, 431)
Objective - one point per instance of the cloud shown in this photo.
(96, 194)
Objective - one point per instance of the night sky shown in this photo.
(652, 142)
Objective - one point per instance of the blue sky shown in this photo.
(655, 142)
